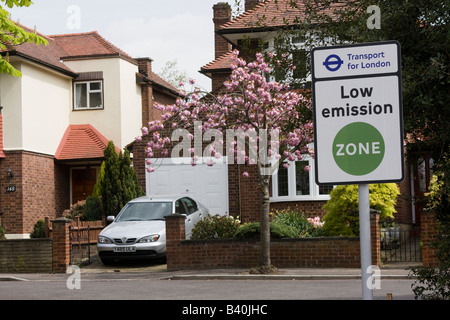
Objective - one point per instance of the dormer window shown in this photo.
(88, 91)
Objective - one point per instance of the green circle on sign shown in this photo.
(358, 148)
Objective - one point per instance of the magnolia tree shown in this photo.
(253, 122)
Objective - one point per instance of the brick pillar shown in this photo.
(375, 237)
(61, 244)
(175, 233)
(428, 234)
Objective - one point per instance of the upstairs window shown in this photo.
(88, 95)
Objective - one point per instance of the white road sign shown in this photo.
(358, 114)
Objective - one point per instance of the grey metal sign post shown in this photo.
(358, 124)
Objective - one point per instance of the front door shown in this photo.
(83, 182)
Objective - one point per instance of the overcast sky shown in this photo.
(180, 30)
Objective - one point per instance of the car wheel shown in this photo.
(106, 261)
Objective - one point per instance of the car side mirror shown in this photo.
(110, 218)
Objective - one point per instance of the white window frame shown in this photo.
(298, 45)
(313, 195)
(88, 92)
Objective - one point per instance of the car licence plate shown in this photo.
(125, 249)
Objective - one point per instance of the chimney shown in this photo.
(145, 69)
(250, 4)
(222, 15)
(145, 66)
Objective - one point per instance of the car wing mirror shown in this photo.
(110, 218)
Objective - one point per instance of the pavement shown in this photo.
(158, 270)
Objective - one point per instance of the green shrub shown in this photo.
(433, 283)
(253, 230)
(118, 182)
(342, 218)
(38, 230)
(306, 227)
(93, 209)
(88, 210)
(215, 227)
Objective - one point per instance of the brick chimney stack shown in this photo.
(250, 4)
(222, 15)
(145, 68)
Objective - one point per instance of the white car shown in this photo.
(139, 230)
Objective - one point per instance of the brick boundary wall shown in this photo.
(26, 256)
(285, 253)
(47, 255)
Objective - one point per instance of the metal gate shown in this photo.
(80, 245)
(400, 246)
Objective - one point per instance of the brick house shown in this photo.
(222, 188)
(293, 187)
(75, 94)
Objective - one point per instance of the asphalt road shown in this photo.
(152, 281)
(136, 288)
(230, 294)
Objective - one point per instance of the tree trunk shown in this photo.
(264, 256)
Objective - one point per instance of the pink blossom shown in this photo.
(245, 174)
(250, 101)
(316, 222)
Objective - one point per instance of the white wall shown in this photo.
(35, 114)
(45, 115)
(11, 100)
(120, 119)
(131, 104)
(38, 107)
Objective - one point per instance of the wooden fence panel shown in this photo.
(79, 230)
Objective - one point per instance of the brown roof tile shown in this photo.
(74, 46)
(48, 55)
(271, 14)
(222, 62)
(86, 45)
(82, 142)
(164, 83)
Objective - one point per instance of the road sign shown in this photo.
(358, 113)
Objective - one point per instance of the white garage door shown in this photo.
(209, 185)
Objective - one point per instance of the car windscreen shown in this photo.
(144, 211)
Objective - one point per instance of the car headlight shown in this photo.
(102, 239)
(150, 238)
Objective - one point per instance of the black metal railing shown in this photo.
(400, 246)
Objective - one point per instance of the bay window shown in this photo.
(297, 183)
